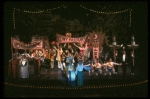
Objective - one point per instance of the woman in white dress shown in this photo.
(24, 67)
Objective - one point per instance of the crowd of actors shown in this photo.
(63, 56)
(81, 57)
(76, 58)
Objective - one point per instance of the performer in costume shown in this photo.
(87, 49)
(98, 68)
(37, 52)
(76, 59)
(131, 63)
(110, 66)
(79, 73)
(63, 61)
(93, 66)
(24, 67)
(52, 58)
(124, 60)
(104, 69)
(95, 59)
(89, 64)
(68, 63)
(70, 71)
(58, 58)
(117, 58)
(69, 59)
(40, 53)
(80, 58)
(82, 49)
(59, 52)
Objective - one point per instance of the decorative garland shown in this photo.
(63, 6)
(109, 12)
(39, 11)
(32, 12)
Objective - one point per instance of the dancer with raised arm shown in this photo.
(59, 52)
(82, 49)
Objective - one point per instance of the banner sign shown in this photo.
(64, 39)
(96, 47)
(32, 45)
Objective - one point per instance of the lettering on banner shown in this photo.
(63, 39)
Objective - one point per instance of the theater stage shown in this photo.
(93, 86)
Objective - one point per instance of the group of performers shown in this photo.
(72, 61)
(83, 59)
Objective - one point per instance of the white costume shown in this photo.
(97, 68)
(58, 58)
(110, 65)
(24, 71)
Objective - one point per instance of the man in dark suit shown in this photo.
(117, 58)
(131, 63)
(124, 61)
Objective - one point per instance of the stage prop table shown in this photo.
(133, 46)
(114, 46)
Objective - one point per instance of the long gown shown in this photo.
(24, 71)
(79, 73)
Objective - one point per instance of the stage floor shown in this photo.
(50, 87)
(55, 74)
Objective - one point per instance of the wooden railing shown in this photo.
(13, 71)
(9, 67)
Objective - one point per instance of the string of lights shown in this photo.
(14, 17)
(40, 11)
(130, 18)
(33, 12)
(80, 6)
(110, 12)
(111, 86)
